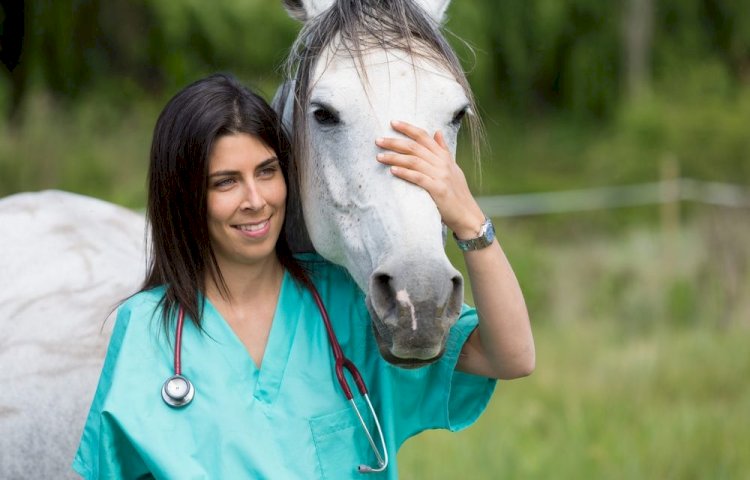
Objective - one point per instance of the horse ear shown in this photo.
(303, 10)
(283, 103)
(434, 8)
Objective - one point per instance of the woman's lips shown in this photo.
(254, 230)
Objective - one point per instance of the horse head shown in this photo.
(356, 66)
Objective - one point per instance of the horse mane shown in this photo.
(358, 26)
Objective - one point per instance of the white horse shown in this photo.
(66, 260)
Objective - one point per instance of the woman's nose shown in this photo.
(254, 200)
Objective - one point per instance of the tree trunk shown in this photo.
(637, 42)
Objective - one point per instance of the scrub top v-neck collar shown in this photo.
(265, 381)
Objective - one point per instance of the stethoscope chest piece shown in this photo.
(177, 391)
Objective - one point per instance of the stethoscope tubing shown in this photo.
(338, 354)
(178, 342)
(343, 362)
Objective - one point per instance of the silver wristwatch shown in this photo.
(485, 238)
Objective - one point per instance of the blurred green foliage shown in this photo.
(551, 79)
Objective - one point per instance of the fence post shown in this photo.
(670, 211)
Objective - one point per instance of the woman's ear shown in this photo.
(304, 10)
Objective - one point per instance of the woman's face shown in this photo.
(246, 200)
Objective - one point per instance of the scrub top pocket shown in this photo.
(341, 443)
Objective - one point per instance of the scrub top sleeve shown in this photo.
(115, 455)
(468, 394)
(104, 451)
(438, 396)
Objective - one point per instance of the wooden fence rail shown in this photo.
(603, 198)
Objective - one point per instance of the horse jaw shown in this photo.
(386, 232)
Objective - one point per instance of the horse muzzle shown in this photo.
(413, 305)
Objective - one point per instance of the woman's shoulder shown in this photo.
(142, 305)
(144, 300)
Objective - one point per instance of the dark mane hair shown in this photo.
(180, 251)
(358, 26)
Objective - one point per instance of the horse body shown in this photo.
(66, 260)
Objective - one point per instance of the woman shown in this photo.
(266, 402)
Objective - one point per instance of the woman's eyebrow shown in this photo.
(268, 162)
(229, 173)
(222, 173)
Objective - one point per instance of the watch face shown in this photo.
(490, 234)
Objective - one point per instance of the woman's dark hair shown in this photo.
(181, 255)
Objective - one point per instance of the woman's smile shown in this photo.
(254, 230)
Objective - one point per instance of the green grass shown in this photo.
(603, 403)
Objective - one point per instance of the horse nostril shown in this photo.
(383, 297)
(455, 300)
(383, 279)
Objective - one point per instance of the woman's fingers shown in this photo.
(405, 146)
(421, 152)
(414, 176)
(411, 162)
(419, 136)
(440, 140)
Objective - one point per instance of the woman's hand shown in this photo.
(426, 161)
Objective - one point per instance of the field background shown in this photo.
(641, 315)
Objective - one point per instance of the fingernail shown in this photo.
(379, 140)
(396, 123)
(381, 156)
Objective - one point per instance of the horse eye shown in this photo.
(326, 117)
(458, 116)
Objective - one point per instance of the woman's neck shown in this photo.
(246, 282)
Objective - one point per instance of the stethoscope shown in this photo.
(178, 391)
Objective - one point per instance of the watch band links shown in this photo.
(484, 239)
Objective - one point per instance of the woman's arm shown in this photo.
(502, 346)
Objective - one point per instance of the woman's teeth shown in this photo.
(252, 227)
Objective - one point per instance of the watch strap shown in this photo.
(484, 239)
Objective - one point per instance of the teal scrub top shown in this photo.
(286, 419)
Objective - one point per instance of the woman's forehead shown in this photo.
(239, 149)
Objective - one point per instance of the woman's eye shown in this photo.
(224, 182)
(267, 171)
